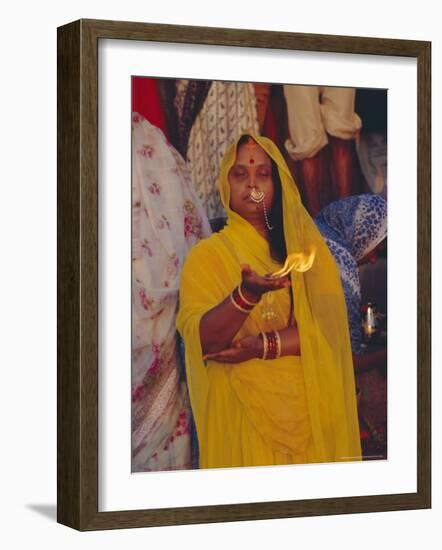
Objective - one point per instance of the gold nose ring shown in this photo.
(256, 196)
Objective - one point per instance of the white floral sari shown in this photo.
(167, 220)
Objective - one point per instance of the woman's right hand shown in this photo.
(253, 286)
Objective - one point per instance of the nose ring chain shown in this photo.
(258, 197)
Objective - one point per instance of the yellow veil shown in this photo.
(319, 308)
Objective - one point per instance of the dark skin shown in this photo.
(219, 326)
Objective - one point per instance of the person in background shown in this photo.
(167, 220)
(355, 229)
(371, 105)
(323, 127)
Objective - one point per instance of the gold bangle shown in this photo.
(278, 345)
(241, 295)
(238, 307)
(266, 345)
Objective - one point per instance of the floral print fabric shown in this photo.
(167, 220)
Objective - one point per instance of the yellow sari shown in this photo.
(295, 409)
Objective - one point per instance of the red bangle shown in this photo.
(244, 299)
(239, 303)
(272, 346)
(263, 337)
(273, 349)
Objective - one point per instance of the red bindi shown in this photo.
(252, 161)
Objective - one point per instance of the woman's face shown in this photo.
(252, 168)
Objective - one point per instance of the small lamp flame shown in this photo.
(297, 261)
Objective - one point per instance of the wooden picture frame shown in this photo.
(77, 409)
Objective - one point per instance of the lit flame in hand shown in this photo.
(298, 261)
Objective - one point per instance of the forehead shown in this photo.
(246, 152)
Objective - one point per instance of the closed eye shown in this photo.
(239, 174)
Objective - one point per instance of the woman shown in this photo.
(268, 360)
(355, 229)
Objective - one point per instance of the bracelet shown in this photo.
(278, 344)
(272, 344)
(238, 302)
(265, 342)
(244, 299)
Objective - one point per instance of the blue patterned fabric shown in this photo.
(353, 227)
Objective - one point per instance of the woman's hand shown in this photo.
(250, 347)
(253, 286)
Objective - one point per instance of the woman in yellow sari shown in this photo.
(268, 359)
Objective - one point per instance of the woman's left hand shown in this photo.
(250, 347)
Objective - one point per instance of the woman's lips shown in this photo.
(248, 197)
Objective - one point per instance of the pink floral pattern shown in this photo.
(163, 222)
(182, 428)
(145, 301)
(137, 118)
(156, 348)
(137, 394)
(192, 221)
(146, 150)
(154, 188)
(161, 186)
(145, 246)
(154, 366)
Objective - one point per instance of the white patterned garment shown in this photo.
(181, 86)
(167, 221)
(229, 110)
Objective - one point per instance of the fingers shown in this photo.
(272, 278)
(269, 282)
(218, 354)
(283, 281)
(258, 284)
(276, 284)
(220, 357)
(229, 355)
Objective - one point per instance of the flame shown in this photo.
(298, 261)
